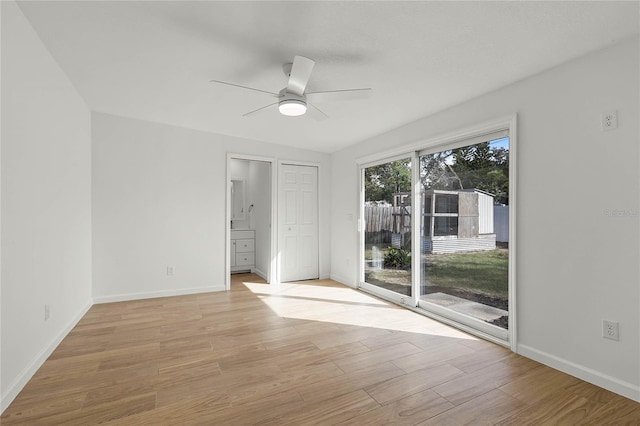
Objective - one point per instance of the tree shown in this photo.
(479, 166)
(436, 171)
(484, 167)
(384, 180)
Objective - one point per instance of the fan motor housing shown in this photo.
(291, 104)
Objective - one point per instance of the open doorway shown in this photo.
(249, 216)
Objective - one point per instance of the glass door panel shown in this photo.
(388, 230)
(464, 209)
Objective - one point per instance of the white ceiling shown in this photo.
(153, 60)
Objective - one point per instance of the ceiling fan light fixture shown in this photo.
(292, 107)
(292, 99)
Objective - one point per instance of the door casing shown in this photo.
(272, 278)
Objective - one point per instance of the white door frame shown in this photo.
(275, 201)
(272, 278)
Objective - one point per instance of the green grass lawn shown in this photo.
(483, 272)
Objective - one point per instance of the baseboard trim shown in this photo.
(626, 389)
(155, 294)
(342, 280)
(261, 274)
(22, 380)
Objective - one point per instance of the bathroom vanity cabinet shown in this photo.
(243, 250)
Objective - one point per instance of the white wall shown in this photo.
(46, 203)
(159, 200)
(577, 261)
(259, 196)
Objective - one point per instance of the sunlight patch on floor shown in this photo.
(327, 302)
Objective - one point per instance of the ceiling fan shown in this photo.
(293, 100)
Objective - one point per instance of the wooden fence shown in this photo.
(378, 218)
(381, 218)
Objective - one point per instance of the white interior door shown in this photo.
(298, 222)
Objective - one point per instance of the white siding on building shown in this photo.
(456, 245)
(485, 213)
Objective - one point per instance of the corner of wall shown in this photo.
(23, 378)
(46, 240)
(343, 280)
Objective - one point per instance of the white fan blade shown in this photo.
(255, 111)
(344, 94)
(300, 73)
(316, 113)
(244, 87)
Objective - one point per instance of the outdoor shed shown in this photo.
(455, 221)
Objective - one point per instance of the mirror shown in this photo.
(237, 199)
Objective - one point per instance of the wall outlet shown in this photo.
(610, 330)
(47, 312)
(171, 270)
(609, 120)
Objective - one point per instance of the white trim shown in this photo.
(20, 382)
(416, 218)
(227, 226)
(513, 196)
(597, 378)
(153, 294)
(250, 157)
(4, 402)
(273, 265)
(361, 226)
(271, 278)
(300, 163)
(402, 156)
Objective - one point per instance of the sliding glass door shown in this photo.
(461, 233)
(388, 230)
(464, 235)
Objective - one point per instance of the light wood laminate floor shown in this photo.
(314, 352)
